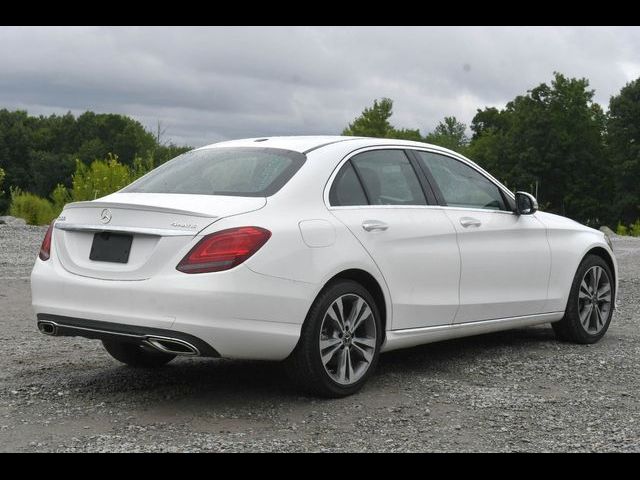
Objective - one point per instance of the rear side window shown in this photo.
(461, 185)
(347, 189)
(388, 178)
(243, 172)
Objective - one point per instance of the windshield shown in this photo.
(242, 172)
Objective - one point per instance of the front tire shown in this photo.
(135, 355)
(590, 305)
(340, 342)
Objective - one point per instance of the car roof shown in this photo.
(305, 144)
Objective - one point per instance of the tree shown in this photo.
(623, 147)
(551, 136)
(373, 122)
(449, 133)
(489, 119)
(38, 153)
(406, 134)
(163, 153)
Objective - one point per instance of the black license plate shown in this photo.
(111, 247)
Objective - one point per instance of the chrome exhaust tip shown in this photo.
(48, 328)
(172, 346)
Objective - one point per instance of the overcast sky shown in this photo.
(211, 83)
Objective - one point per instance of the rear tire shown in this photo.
(340, 342)
(590, 306)
(135, 355)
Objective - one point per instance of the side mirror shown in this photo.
(526, 204)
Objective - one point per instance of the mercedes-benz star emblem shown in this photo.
(105, 216)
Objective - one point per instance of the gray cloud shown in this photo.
(211, 83)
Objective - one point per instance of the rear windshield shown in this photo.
(243, 172)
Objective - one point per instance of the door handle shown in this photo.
(470, 222)
(373, 225)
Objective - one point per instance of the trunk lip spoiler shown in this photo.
(161, 232)
(134, 206)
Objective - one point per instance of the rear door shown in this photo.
(506, 257)
(381, 197)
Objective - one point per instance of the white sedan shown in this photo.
(321, 251)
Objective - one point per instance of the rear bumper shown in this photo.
(58, 326)
(238, 313)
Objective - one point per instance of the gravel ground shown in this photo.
(513, 391)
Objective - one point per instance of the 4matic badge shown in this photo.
(189, 226)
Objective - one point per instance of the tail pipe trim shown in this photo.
(48, 328)
(171, 345)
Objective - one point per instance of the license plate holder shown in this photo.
(111, 247)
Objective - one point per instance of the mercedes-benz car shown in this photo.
(319, 251)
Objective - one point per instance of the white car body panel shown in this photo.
(164, 224)
(398, 339)
(505, 264)
(200, 205)
(239, 313)
(569, 242)
(438, 279)
(422, 281)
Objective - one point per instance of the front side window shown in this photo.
(388, 178)
(461, 185)
(243, 172)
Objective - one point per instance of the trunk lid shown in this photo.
(159, 226)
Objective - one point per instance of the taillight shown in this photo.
(45, 249)
(224, 250)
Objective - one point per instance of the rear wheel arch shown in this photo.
(369, 282)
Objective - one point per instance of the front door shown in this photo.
(506, 258)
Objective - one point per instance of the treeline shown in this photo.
(583, 162)
(39, 153)
(554, 141)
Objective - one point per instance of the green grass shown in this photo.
(34, 209)
(632, 230)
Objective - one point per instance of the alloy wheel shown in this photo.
(594, 299)
(348, 339)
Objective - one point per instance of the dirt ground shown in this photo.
(515, 391)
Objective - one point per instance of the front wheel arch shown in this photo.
(604, 254)
(571, 327)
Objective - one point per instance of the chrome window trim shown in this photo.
(413, 207)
